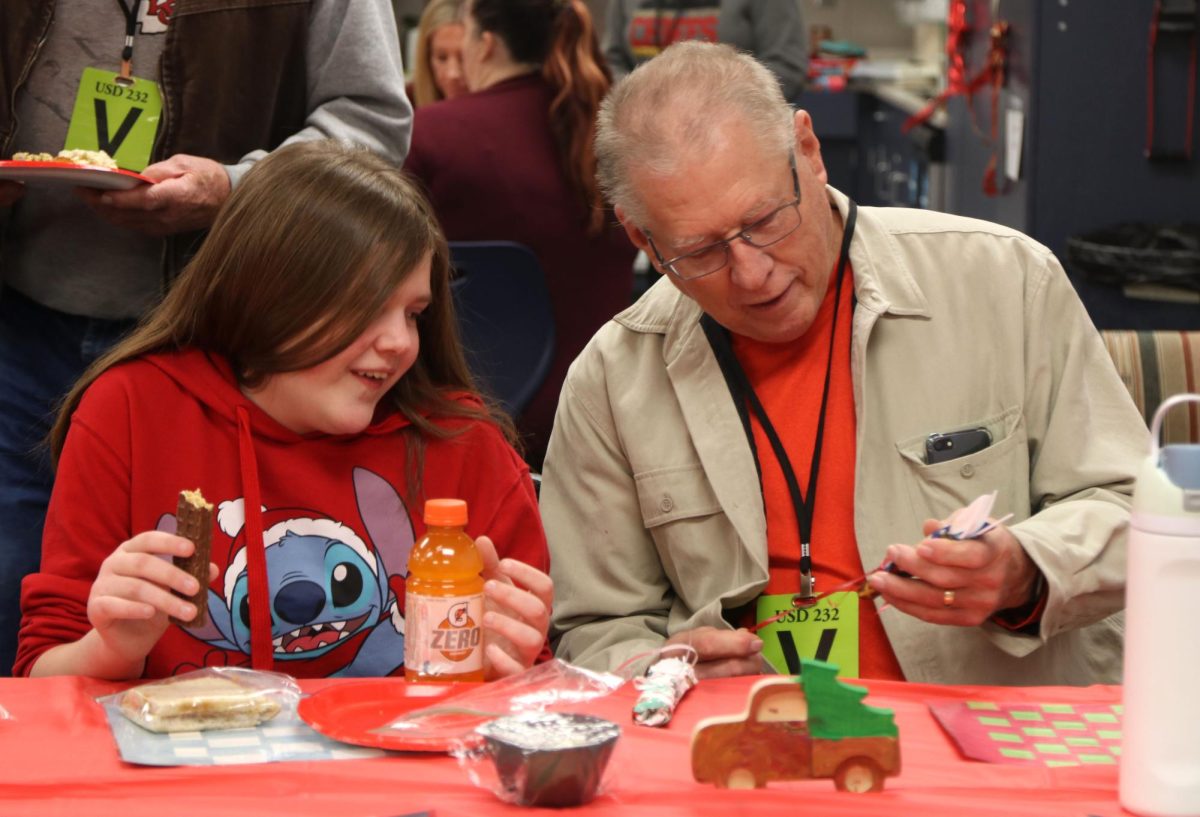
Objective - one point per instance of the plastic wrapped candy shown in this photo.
(552, 685)
(665, 683)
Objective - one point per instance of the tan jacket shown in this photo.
(651, 499)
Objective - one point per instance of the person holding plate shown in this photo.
(190, 95)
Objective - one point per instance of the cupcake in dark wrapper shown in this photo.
(549, 758)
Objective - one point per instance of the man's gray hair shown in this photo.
(676, 106)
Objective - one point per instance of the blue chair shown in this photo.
(504, 318)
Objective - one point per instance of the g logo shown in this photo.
(458, 634)
(458, 616)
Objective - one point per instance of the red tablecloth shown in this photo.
(57, 757)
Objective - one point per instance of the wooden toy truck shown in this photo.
(797, 728)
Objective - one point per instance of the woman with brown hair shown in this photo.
(304, 372)
(437, 66)
(514, 160)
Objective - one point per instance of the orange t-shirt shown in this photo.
(788, 379)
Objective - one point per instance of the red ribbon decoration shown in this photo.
(997, 74)
(957, 32)
(993, 74)
(1174, 26)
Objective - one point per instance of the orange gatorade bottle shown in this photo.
(443, 605)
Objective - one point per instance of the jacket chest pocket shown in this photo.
(695, 540)
(669, 495)
(937, 489)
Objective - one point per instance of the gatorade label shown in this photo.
(443, 634)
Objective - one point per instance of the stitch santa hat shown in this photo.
(231, 518)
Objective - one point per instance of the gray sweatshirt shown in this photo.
(772, 30)
(59, 253)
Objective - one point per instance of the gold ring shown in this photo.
(948, 598)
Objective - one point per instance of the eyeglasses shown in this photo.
(770, 229)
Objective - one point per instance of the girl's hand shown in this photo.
(517, 601)
(131, 598)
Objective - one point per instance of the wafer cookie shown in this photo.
(195, 522)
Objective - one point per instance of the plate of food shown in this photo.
(74, 168)
(360, 712)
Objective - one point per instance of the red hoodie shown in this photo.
(336, 526)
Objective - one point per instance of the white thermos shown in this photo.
(1160, 747)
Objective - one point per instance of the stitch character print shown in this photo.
(333, 592)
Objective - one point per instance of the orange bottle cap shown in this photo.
(445, 512)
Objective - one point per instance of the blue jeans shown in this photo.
(42, 353)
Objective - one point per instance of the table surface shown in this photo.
(57, 757)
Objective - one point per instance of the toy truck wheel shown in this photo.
(859, 775)
(741, 778)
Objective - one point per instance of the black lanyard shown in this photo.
(743, 393)
(131, 15)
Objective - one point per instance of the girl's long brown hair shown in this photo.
(300, 260)
(559, 36)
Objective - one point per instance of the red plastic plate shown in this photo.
(350, 711)
(65, 173)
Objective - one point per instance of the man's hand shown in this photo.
(10, 192)
(187, 196)
(983, 576)
(723, 653)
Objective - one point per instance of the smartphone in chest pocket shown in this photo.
(954, 444)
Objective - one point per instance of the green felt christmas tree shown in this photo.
(836, 710)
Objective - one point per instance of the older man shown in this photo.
(902, 362)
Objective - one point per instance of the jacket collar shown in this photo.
(883, 282)
(716, 430)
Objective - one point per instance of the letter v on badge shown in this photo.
(827, 631)
(120, 118)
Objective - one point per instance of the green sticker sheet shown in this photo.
(1046, 733)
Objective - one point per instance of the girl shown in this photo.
(437, 71)
(304, 372)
